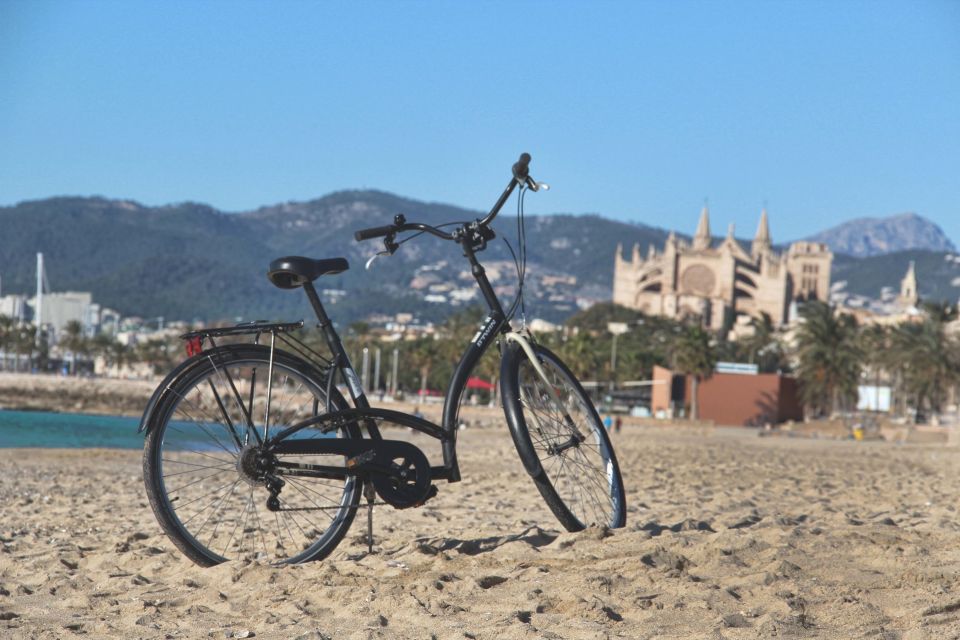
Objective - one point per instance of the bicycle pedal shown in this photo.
(431, 493)
(361, 459)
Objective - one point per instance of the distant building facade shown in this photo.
(731, 399)
(718, 283)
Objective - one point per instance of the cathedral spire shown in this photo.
(908, 287)
(762, 242)
(701, 240)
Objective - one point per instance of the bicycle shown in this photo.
(251, 450)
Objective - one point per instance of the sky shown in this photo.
(639, 111)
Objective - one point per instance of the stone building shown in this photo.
(718, 283)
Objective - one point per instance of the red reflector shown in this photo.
(194, 346)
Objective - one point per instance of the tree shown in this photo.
(74, 342)
(24, 340)
(693, 354)
(926, 360)
(7, 337)
(422, 354)
(581, 353)
(828, 358)
(762, 348)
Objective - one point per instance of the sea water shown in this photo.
(68, 430)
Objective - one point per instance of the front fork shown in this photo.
(523, 340)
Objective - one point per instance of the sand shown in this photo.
(728, 536)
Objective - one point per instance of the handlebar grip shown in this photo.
(521, 168)
(373, 232)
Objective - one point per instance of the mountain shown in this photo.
(938, 273)
(190, 261)
(877, 236)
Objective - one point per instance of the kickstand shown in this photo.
(369, 493)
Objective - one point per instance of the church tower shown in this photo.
(908, 288)
(701, 239)
(761, 242)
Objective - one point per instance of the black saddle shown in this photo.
(295, 271)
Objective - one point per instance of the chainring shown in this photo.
(411, 486)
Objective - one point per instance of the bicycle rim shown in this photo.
(578, 467)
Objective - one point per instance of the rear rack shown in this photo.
(282, 331)
(244, 328)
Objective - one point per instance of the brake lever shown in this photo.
(374, 257)
(390, 247)
(535, 186)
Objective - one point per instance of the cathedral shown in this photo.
(719, 283)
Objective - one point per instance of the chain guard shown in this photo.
(412, 486)
(399, 471)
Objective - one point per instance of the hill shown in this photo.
(866, 237)
(190, 261)
(938, 273)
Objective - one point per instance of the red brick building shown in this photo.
(729, 398)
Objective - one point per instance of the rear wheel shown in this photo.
(208, 481)
(562, 442)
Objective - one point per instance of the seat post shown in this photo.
(329, 332)
(340, 357)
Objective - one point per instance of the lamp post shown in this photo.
(616, 328)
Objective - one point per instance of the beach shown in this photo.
(728, 536)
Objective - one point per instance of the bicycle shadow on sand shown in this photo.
(533, 536)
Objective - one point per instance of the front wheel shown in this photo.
(563, 444)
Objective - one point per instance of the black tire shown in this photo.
(193, 460)
(581, 481)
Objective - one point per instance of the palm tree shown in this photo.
(581, 353)
(693, 354)
(7, 337)
(423, 352)
(24, 343)
(828, 358)
(926, 360)
(763, 347)
(73, 341)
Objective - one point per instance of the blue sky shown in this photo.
(826, 111)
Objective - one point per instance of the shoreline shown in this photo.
(68, 394)
(127, 398)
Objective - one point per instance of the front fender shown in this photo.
(511, 406)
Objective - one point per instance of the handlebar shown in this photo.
(373, 232)
(381, 232)
(521, 168)
(521, 177)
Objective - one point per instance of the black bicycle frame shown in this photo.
(471, 237)
(495, 323)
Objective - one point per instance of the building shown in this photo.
(718, 283)
(14, 306)
(59, 309)
(732, 399)
(890, 309)
(909, 297)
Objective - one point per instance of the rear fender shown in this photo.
(164, 387)
(337, 401)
